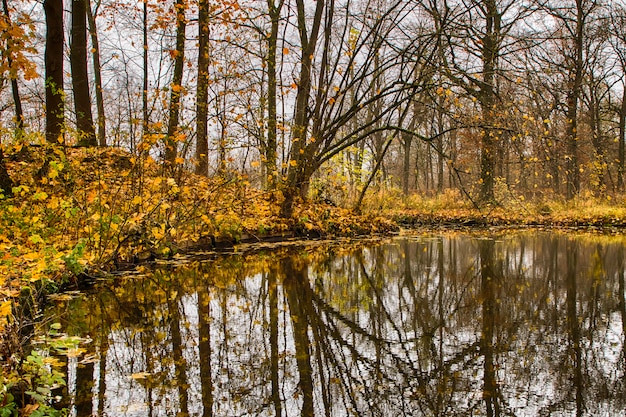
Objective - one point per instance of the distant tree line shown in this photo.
(330, 97)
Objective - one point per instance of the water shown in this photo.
(522, 324)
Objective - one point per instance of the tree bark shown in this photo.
(53, 58)
(6, 184)
(19, 114)
(299, 169)
(80, 80)
(573, 94)
(272, 130)
(97, 70)
(144, 90)
(202, 105)
(171, 145)
(487, 98)
(622, 144)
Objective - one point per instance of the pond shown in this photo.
(517, 324)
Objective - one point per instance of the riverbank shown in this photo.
(79, 212)
(76, 214)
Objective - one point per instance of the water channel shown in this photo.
(518, 324)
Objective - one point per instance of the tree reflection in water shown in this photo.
(526, 324)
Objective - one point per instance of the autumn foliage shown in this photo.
(94, 209)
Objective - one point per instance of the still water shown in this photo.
(517, 324)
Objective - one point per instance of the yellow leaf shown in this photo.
(35, 239)
(293, 163)
(5, 309)
(55, 362)
(53, 203)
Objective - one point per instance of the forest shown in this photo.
(138, 130)
(328, 98)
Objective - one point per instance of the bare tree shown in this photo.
(618, 43)
(346, 90)
(474, 39)
(572, 23)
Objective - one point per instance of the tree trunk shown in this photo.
(19, 114)
(144, 90)
(54, 71)
(487, 98)
(299, 170)
(272, 131)
(573, 94)
(171, 145)
(406, 167)
(6, 184)
(202, 106)
(80, 80)
(97, 70)
(622, 143)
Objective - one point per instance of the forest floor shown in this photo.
(80, 213)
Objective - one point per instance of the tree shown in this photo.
(571, 33)
(13, 45)
(145, 56)
(6, 184)
(80, 79)
(475, 36)
(300, 169)
(55, 108)
(202, 94)
(176, 87)
(351, 82)
(618, 43)
(271, 144)
(97, 70)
